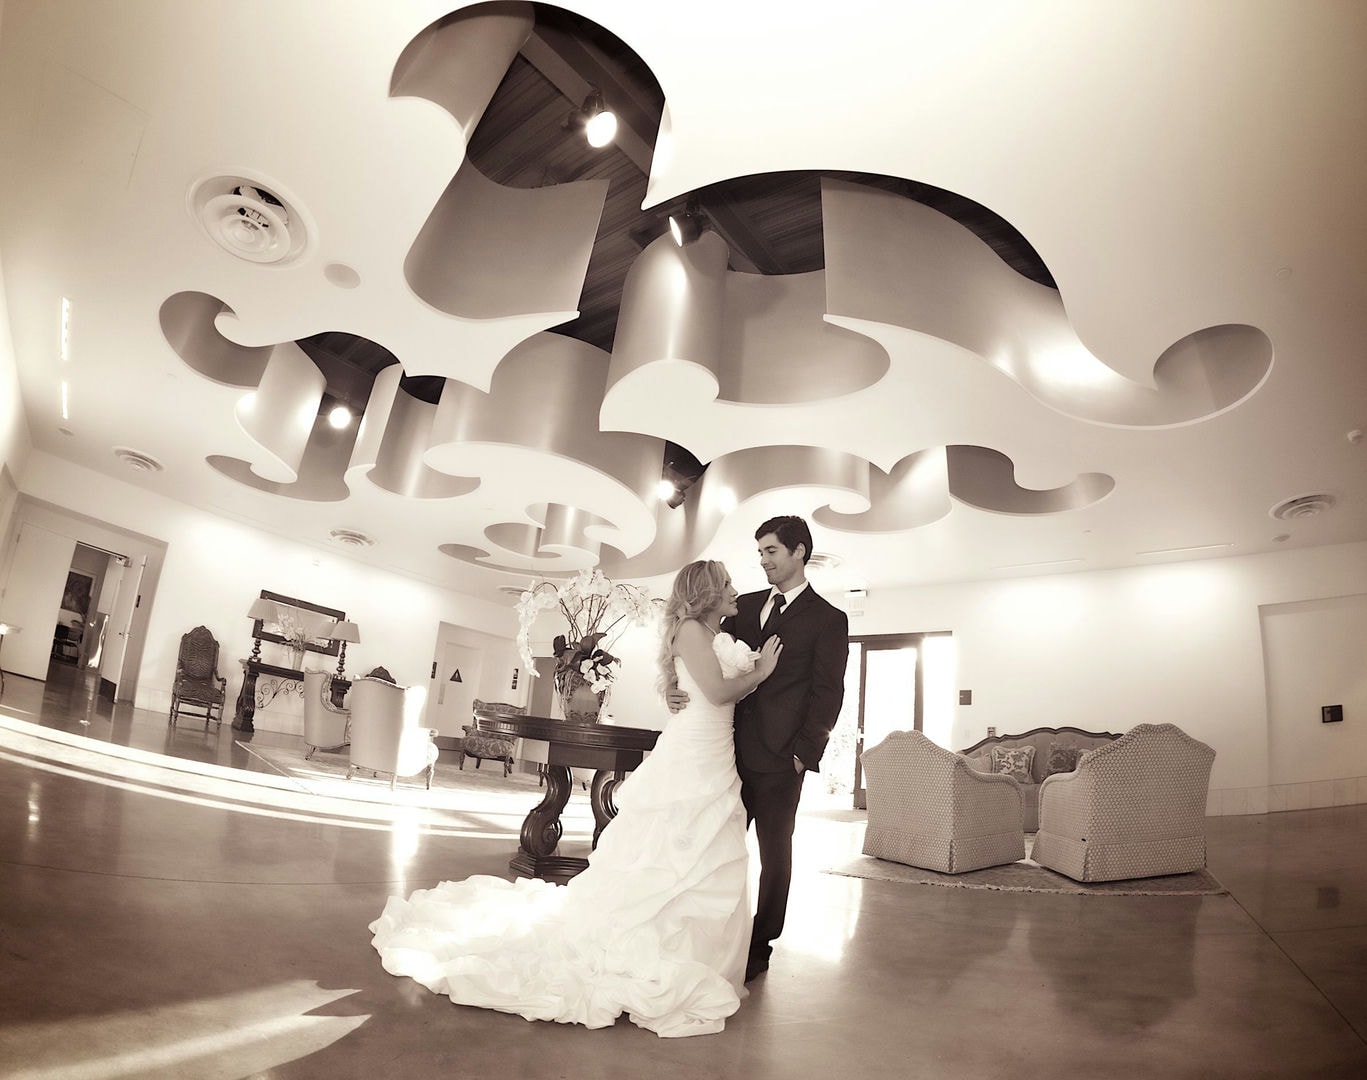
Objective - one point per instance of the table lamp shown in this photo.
(260, 610)
(344, 631)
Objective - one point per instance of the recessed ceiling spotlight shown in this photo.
(1281, 538)
(1283, 272)
(339, 416)
(1355, 436)
(1303, 506)
(351, 538)
(823, 560)
(136, 459)
(514, 591)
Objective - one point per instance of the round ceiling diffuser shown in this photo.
(136, 459)
(1302, 506)
(351, 538)
(248, 219)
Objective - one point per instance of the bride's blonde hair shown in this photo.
(698, 589)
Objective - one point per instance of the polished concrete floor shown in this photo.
(162, 914)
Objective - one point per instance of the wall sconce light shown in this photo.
(344, 631)
(261, 610)
(595, 120)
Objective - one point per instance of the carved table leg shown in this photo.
(605, 782)
(246, 703)
(541, 833)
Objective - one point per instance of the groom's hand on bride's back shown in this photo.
(676, 699)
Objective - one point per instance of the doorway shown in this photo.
(893, 682)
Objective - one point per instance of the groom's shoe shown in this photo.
(756, 966)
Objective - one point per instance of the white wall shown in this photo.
(214, 568)
(15, 439)
(1104, 651)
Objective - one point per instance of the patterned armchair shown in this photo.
(1134, 808)
(198, 685)
(927, 808)
(484, 745)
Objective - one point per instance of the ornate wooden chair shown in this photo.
(198, 685)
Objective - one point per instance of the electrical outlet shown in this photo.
(1331, 714)
(965, 697)
(991, 732)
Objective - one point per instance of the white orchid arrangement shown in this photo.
(593, 608)
(291, 629)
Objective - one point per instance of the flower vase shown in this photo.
(580, 703)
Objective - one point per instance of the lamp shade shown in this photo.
(261, 609)
(345, 631)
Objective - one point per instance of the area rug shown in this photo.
(1028, 876)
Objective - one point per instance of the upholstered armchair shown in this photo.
(198, 685)
(384, 738)
(325, 725)
(486, 745)
(927, 808)
(1133, 808)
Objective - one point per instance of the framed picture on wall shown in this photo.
(76, 596)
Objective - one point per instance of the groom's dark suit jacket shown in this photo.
(793, 710)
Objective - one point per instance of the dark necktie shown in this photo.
(768, 627)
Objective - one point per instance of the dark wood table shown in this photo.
(245, 712)
(609, 750)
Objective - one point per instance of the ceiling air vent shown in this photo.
(822, 560)
(136, 459)
(1303, 506)
(247, 219)
(351, 538)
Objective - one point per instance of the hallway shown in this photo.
(164, 914)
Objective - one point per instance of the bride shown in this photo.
(658, 926)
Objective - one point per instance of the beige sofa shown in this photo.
(1032, 756)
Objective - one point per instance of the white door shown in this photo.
(33, 598)
(458, 673)
(112, 663)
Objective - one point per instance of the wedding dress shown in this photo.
(657, 926)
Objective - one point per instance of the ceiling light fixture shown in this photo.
(339, 417)
(595, 120)
(688, 224)
(66, 330)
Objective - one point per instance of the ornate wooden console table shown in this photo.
(247, 702)
(609, 750)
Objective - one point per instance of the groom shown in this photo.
(782, 726)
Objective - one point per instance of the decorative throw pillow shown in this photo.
(1062, 758)
(979, 762)
(1014, 761)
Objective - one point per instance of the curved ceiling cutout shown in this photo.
(536, 434)
(458, 61)
(749, 339)
(491, 252)
(394, 437)
(986, 479)
(188, 323)
(895, 261)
